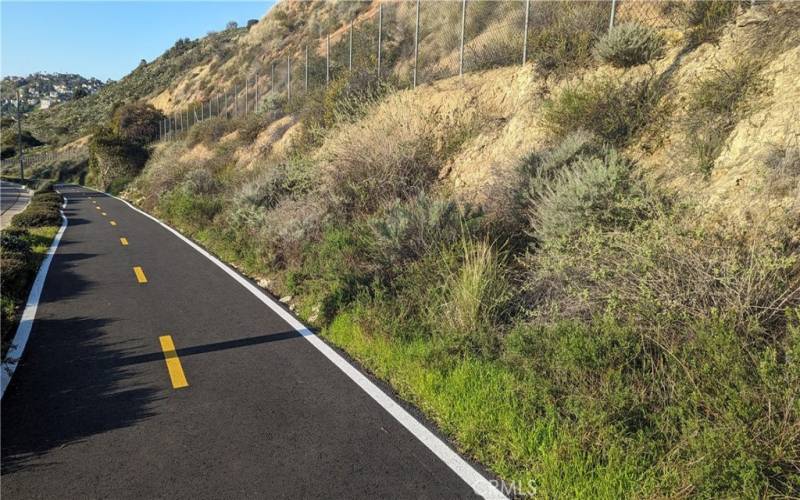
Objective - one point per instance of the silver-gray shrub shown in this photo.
(629, 44)
(407, 230)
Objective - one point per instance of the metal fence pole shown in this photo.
(256, 104)
(235, 101)
(288, 78)
(19, 140)
(613, 13)
(327, 60)
(461, 48)
(525, 31)
(380, 35)
(350, 53)
(305, 85)
(272, 79)
(217, 104)
(245, 96)
(226, 105)
(416, 46)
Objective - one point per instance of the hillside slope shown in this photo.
(585, 269)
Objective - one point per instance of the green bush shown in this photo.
(137, 122)
(614, 111)
(408, 230)
(15, 240)
(210, 131)
(37, 215)
(602, 191)
(629, 44)
(16, 272)
(194, 211)
(112, 156)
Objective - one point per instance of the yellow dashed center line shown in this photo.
(97, 207)
(140, 277)
(124, 241)
(103, 213)
(173, 362)
(113, 223)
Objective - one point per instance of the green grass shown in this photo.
(491, 413)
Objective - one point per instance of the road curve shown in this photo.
(13, 199)
(93, 409)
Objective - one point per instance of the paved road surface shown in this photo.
(13, 199)
(92, 410)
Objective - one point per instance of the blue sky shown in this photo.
(105, 39)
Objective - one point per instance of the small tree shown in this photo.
(137, 122)
(232, 25)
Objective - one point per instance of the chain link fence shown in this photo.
(414, 42)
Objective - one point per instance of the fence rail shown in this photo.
(416, 42)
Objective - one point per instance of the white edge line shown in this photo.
(464, 470)
(14, 353)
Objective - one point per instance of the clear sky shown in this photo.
(105, 39)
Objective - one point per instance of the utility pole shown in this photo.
(19, 139)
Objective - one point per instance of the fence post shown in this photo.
(380, 35)
(416, 46)
(613, 13)
(461, 48)
(288, 78)
(217, 104)
(235, 100)
(328, 60)
(272, 79)
(256, 104)
(19, 139)
(350, 50)
(245, 96)
(305, 85)
(226, 105)
(525, 31)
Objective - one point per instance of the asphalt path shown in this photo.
(97, 407)
(13, 198)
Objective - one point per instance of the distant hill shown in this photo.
(44, 90)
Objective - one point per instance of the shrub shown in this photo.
(615, 111)
(783, 172)
(408, 230)
(37, 216)
(629, 44)
(112, 156)
(15, 240)
(707, 18)
(210, 131)
(137, 122)
(199, 181)
(195, 211)
(561, 34)
(16, 272)
(374, 160)
(600, 191)
(718, 103)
